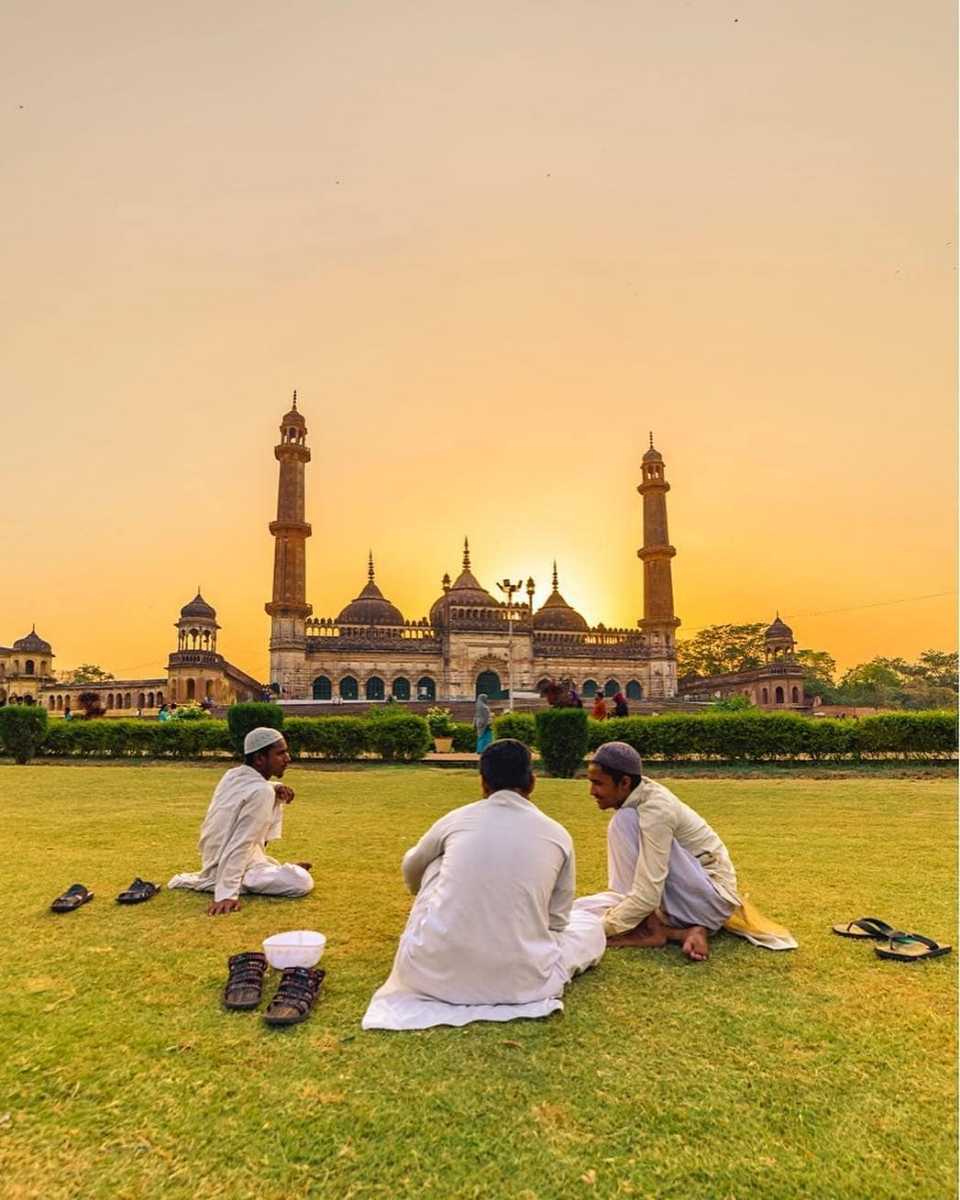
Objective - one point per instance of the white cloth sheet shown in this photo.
(243, 816)
(490, 936)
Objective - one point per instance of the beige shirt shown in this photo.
(663, 819)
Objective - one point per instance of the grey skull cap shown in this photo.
(618, 756)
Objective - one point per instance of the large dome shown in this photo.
(556, 615)
(32, 644)
(466, 591)
(199, 608)
(371, 607)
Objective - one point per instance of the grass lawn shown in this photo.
(820, 1073)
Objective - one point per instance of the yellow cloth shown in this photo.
(748, 922)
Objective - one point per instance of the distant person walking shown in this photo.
(483, 723)
(599, 712)
(620, 706)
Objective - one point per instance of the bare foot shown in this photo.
(648, 935)
(695, 944)
(306, 866)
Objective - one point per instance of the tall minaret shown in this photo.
(289, 608)
(659, 623)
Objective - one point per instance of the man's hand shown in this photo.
(284, 794)
(217, 908)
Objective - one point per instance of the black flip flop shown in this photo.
(75, 895)
(137, 892)
(909, 947)
(866, 927)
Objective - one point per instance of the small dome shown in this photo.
(198, 608)
(778, 629)
(465, 590)
(32, 644)
(556, 615)
(371, 607)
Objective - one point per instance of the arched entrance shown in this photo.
(322, 688)
(426, 688)
(488, 684)
(348, 688)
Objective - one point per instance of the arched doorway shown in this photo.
(401, 688)
(589, 688)
(322, 688)
(488, 684)
(191, 690)
(348, 688)
(634, 690)
(374, 688)
(778, 695)
(426, 688)
(611, 687)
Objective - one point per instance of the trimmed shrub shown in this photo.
(22, 730)
(406, 737)
(562, 739)
(464, 737)
(241, 718)
(908, 733)
(336, 738)
(521, 726)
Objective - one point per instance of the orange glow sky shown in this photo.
(492, 246)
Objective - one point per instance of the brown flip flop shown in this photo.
(865, 927)
(909, 947)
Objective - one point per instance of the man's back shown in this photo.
(496, 880)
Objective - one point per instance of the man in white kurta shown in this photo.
(670, 875)
(491, 935)
(246, 813)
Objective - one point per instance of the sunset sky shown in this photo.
(491, 245)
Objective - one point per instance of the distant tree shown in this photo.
(90, 703)
(938, 668)
(819, 674)
(719, 649)
(734, 704)
(90, 673)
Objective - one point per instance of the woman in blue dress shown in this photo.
(483, 724)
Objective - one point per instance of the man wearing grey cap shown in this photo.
(670, 876)
(245, 813)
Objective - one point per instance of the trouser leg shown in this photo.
(281, 879)
(583, 941)
(689, 898)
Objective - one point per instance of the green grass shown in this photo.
(822, 1073)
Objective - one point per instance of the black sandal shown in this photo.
(296, 995)
(137, 892)
(909, 947)
(75, 895)
(245, 980)
(866, 927)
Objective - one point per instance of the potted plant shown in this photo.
(441, 725)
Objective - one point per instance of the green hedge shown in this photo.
(734, 737)
(464, 737)
(756, 737)
(563, 738)
(22, 729)
(241, 718)
(521, 726)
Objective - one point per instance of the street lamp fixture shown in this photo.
(508, 587)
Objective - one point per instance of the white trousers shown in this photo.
(261, 878)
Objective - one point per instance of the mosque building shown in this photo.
(470, 642)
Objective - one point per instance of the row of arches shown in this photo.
(590, 687)
(374, 688)
(29, 667)
(779, 696)
(113, 700)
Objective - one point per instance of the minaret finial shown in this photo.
(555, 581)
(466, 554)
(651, 439)
(370, 565)
(294, 399)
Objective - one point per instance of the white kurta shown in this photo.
(243, 816)
(490, 934)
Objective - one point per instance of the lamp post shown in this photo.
(508, 588)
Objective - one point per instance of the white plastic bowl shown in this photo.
(298, 948)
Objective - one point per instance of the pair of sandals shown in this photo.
(77, 895)
(294, 998)
(900, 946)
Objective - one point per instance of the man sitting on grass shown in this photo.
(491, 935)
(670, 876)
(245, 813)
